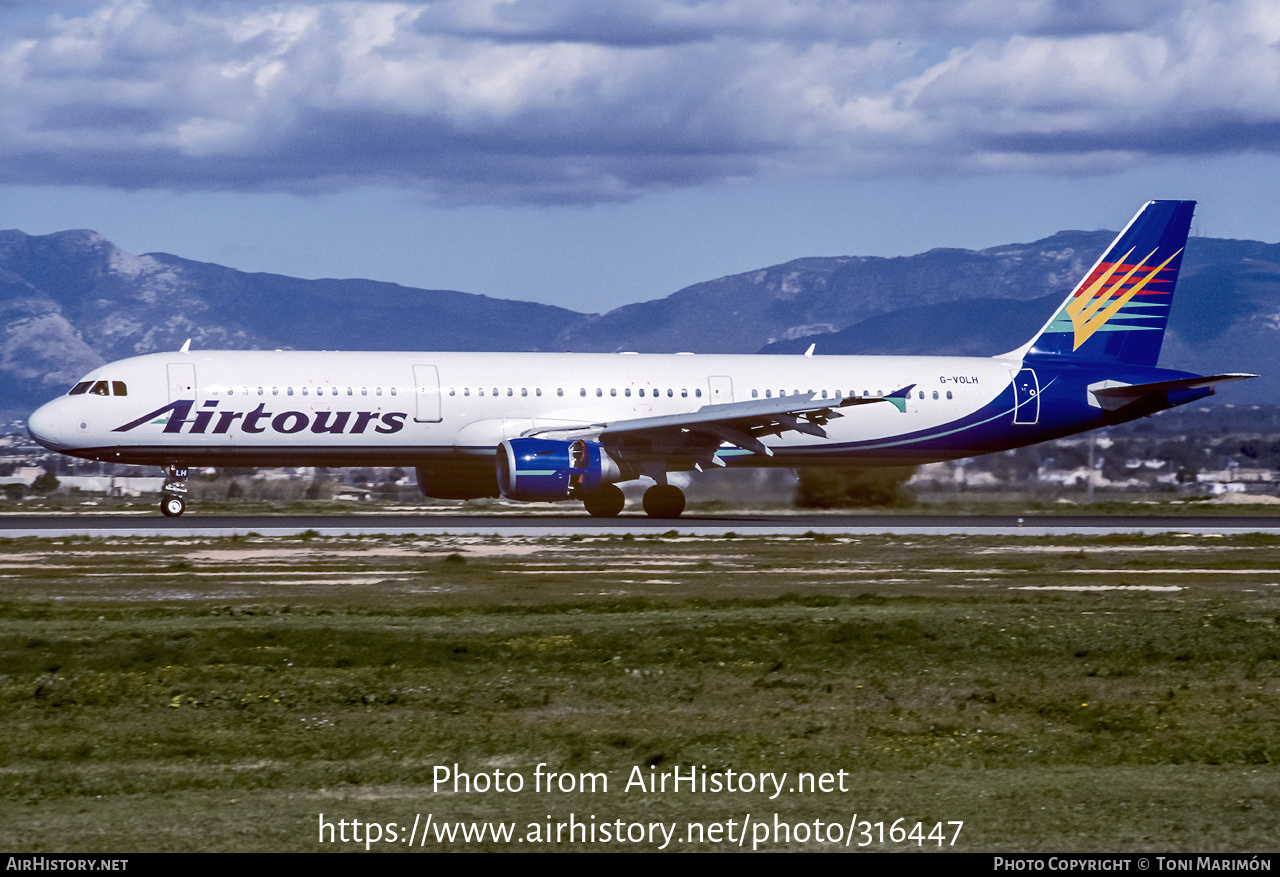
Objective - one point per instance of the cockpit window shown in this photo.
(119, 389)
(82, 387)
(99, 388)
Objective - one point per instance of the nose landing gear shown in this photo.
(173, 494)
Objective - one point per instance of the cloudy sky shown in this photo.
(589, 153)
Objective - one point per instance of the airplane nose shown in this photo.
(45, 426)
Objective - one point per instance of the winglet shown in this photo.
(899, 397)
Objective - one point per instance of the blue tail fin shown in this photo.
(1119, 311)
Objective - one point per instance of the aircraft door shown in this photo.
(721, 389)
(182, 381)
(426, 380)
(1026, 394)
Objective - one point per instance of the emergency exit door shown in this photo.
(426, 380)
(182, 381)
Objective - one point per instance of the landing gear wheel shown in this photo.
(606, 502)
(663, 501)
(175, 485)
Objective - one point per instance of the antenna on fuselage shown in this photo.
(809, 352)
(186, 347)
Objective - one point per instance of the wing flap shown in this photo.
(699, 433)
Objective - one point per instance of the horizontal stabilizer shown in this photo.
(1113, 396)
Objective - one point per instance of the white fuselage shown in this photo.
(334, 408)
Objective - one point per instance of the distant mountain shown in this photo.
(1226, 317)
(816, 296)
(72, 300)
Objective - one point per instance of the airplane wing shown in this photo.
(699, 434)
(1114, 396)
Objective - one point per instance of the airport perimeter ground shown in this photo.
(1064, 693)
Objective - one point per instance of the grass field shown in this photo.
(1053, 693)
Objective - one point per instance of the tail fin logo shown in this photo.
(1099, 301)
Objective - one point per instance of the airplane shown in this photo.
(547, 427)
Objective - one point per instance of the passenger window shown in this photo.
(599, 392)
(670, 393)
(304, 391)
(509, 392)
(613, 391)
(642, 391)
(582, 391)
(684, 393)
(935, 394)
(289, 391)
(755, 394)
(466, 391)
(378, 392)
(364, 391)
(118, 389)
(948, 394)
(559, 391)
(768, 394)
(350, 391)
(393, 391)
(99, 388)
(697, 393)
(538, 392)
(80, 388)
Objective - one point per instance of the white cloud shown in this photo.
(519, 101)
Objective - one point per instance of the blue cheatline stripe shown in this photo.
(930, 436)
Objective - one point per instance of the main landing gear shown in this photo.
(606, 502)
(663, 501)
(173, 494)
(660, 501)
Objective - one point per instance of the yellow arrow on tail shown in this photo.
(1086, 309)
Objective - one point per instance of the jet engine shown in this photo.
(546, 470)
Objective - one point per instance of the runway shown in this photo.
(535, 526)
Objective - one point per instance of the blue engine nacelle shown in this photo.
(546, 470)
